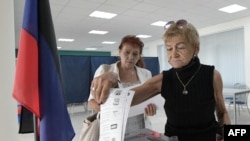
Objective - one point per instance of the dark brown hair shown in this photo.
(136, 42)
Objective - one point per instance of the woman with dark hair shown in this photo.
(130, 71)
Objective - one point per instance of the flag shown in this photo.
(26, 121)
(38, 82)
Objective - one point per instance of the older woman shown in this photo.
(192, 91)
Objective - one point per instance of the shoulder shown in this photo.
(207, 67)
(217, 75)
(105, 68)
(168, 72)
(143, 71)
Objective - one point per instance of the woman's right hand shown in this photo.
(101, 85)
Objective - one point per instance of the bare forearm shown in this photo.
(140, 95)
(223, 118)
(221, 111)
(226, 118)
(147, 90)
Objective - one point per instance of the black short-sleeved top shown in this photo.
(193, 113)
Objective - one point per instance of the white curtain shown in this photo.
(224, 50)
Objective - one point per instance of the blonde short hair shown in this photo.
(186, 30)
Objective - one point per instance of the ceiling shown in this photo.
(71, 18)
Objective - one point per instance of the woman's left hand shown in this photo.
(150, 110)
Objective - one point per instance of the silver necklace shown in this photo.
(185, 91)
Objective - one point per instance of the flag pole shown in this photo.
(36, 136)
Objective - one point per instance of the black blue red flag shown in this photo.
(38, 83)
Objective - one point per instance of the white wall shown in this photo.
(150, 49)
(244, 22)
(8, 108)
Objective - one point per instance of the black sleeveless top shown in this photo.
(193, 113)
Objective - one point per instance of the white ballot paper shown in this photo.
(114, 115)
(157, 100)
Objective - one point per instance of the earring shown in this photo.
(195, 56)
